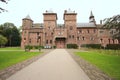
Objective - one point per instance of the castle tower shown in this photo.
(70, 23)
(91, 18)
(50, 22)
(26, 25)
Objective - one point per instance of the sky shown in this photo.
(19, 9)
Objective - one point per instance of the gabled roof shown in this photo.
(86, 25)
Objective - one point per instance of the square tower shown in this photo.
(50, 22)
(70, 24)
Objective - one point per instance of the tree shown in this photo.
(1, 9)
(10, 31)
(113, 23)
(3, 40)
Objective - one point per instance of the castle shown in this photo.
(49, 33)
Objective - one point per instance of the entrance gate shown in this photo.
(60, 42)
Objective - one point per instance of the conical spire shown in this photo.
(28, 17)
(91, 14)
(91, 18)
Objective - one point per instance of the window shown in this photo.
(80, 31)
(109, 41)
(37, 33)
(52, 33)
(113, 41)
(29, 40)
(46, 41)
(101, 40)
(71, 27)
(77, 38)
(25, 33)
(83, 38)
(37, 41)
(101, 31)
(24, 38)
(94, 31)
(91, 38)
(49, 27)
(50, 41)
(73, 36)
(88, 31)
(69, 36)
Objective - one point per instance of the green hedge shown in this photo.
(74, 46)
(96, 46)
(113, 46)
(29, 47)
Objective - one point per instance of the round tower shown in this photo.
(27, 23)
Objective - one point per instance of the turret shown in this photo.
(91, 18)
(27, 22)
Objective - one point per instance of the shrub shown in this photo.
(28, 47)
(96, 46)
(74, 46)
(113, 46)
(54, 47)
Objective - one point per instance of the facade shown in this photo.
(49, 33)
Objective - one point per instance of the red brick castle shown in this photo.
(49, 33)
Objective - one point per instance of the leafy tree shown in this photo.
(113, 23)
(10, 31)
(3, 40)
(1, 9)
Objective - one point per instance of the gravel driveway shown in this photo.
(56, 65)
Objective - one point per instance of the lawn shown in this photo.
(8, 58)
(11, 48)
(108, 63)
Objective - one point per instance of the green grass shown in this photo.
(9, 58)
(108, 63)
(11, 48)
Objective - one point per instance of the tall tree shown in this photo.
(113, 23)
(3, 40)
(10, 31)
(2, 9)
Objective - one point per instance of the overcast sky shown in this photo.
(18, 9)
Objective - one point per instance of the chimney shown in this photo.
(100, 21)
(65, 11)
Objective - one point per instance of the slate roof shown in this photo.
(38, 25)
(86, 25)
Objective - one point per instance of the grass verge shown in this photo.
(9, 58)
(11, 48)
(108, 63)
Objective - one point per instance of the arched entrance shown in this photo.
(60, 42)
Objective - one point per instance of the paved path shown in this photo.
(57, 65)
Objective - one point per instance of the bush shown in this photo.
(113, 46)
(96, 46)
(74, 46)
(28, 47)
(36, 47)
(54, 47)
